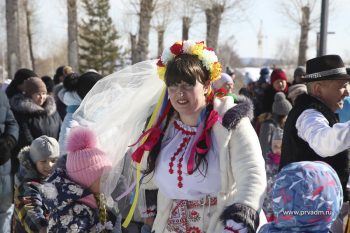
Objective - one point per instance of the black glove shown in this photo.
(7, 143)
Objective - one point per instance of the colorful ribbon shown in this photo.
(212, 119)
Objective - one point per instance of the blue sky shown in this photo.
(51, 28)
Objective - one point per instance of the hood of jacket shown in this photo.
(307, 197)
(27, 169)
(25, 105)
(71, 98)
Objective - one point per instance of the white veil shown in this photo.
(116, 110)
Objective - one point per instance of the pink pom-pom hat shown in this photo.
(85, 163)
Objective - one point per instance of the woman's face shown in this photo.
(39, 98)
(188, 100)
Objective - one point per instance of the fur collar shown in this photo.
(27, 167)
(243, 108)
(25, 105)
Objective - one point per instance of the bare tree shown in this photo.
(300, 12)
(213, 17)
(13, 51)
(145, 16)
(228, 55)
(214, 10)
(17, 40)
(29, 13)
(161, 18)
(24, 44)
(73, 46)
(286, 53)
(187, 10)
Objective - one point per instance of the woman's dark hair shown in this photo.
(20, 76)
(187, 68)
(70, 82)
(48, 83)
(58, 74)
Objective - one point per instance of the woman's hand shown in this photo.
(149, 221)
(234, 227)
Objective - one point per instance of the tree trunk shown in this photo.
(146, 10)
(30, 34)
(13, 61)
(304, 34)
(160, 41)
(213, 18)
(186, 23)
(133, 48)
(73, 53)
(24, 45)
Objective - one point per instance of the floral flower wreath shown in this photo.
(206, 55)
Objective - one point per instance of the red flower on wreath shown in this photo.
(193, 230)
(176, 49)
(160, 63)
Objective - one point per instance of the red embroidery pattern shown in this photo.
(187, 137)
(185, 215)
(193, 230)
(177, 221)
(194, 216)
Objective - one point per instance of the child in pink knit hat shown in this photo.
(73, 194)
(85, 163)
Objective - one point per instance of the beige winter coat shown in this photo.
(242, 167)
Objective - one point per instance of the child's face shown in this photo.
(44, 167)
(276, 146)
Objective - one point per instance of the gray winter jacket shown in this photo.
(8, 134)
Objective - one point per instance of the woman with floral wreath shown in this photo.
(204, 171)
(201, 160)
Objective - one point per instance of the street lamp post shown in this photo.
(324, 28)
(318, 48)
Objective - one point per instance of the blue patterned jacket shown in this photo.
(306, 197)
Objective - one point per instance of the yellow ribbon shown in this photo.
(138, 165)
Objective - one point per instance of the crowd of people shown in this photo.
(204, 157)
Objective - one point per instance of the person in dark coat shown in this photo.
(58, 79)
(8, 140)
(35, 112)
(16, 86)
(278, 84)
(312, 131)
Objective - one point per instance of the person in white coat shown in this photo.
(204, 171)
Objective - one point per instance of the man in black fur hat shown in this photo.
(312, 131)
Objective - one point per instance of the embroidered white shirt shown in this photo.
(326, 141)
(194, 186)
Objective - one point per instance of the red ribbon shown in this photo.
(212, 119)
(152, 138)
